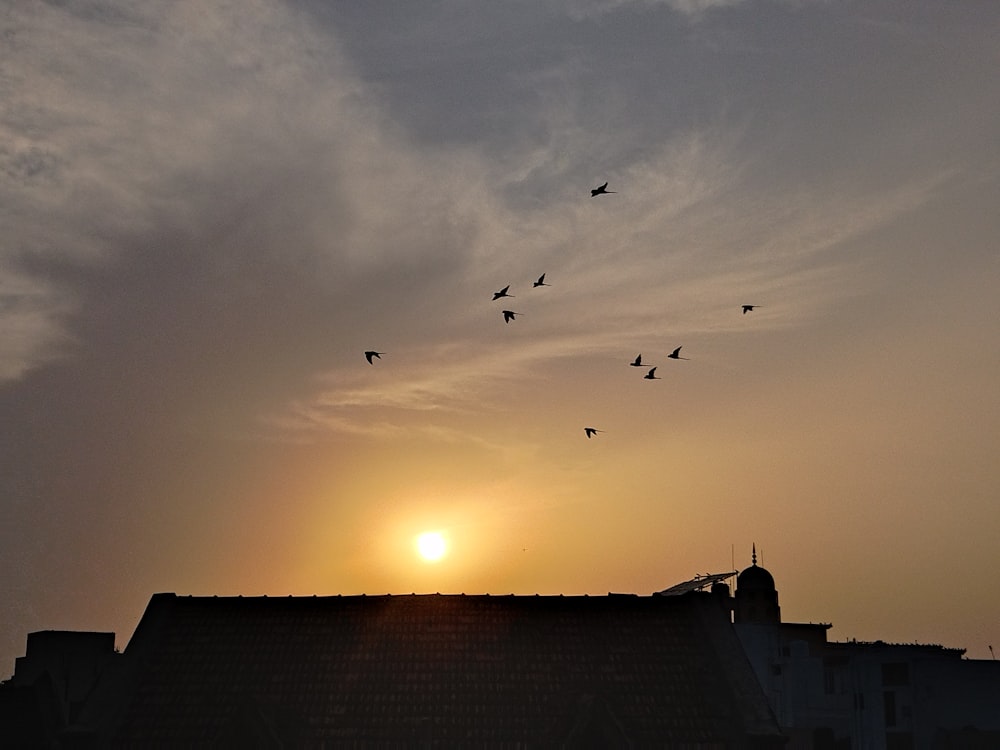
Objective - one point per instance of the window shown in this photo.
(829, 683)
(889, 703)
(895, 673)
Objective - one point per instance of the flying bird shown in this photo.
(508, 315)
(676, 354)
(749, 308)
(637, 362)
(651, 375)
(601, 190)
(591, 431)
(540, 282)
(502, 293)
(371, 355)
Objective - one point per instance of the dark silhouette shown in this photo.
(191, 675)
(508, 315)
(616, 671)
(370, 355)
(749, 308)
(601, 190)
(591, 431)
(676, 354)
(651, 375)
(637, 362)
(540, 282)
(502, 293)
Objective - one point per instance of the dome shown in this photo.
(755, 578)
(756, 598)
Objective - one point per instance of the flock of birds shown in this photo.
(508, 315)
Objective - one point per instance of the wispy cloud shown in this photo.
(689, 8)
(668, 251)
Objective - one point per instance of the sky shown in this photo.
(211, 209)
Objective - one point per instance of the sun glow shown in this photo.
(432, 546)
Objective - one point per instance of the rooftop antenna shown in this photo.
(992, 654)
(753, 559)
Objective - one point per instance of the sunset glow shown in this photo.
(432, 546)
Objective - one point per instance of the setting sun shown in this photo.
(432, 546)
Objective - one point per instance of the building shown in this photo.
(51, 684)
(684, 668)
(863, 696)
(620, 671)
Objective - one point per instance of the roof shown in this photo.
(384, 671)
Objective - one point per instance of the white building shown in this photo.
(861, 696)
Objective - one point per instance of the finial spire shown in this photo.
(755, 553)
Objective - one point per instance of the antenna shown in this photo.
(991, 653)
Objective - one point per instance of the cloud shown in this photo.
(668, 252)
(691, 8)
(224, 196)
(177, 167)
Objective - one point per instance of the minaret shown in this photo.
(756, 598)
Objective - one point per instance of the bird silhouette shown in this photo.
(591, 431)
(749, 308)
(540, 282)
(601, 190)
(651, 375)
(371, 355)
(637, 362)
(508, 315)
(676, 354)
(502, 293)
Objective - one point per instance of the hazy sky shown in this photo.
(211, 208)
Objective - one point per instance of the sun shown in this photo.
(432, 546)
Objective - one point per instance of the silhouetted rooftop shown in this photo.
(451, 670)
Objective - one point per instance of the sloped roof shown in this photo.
(448, 670)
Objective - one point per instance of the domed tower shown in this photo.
(756, 598)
